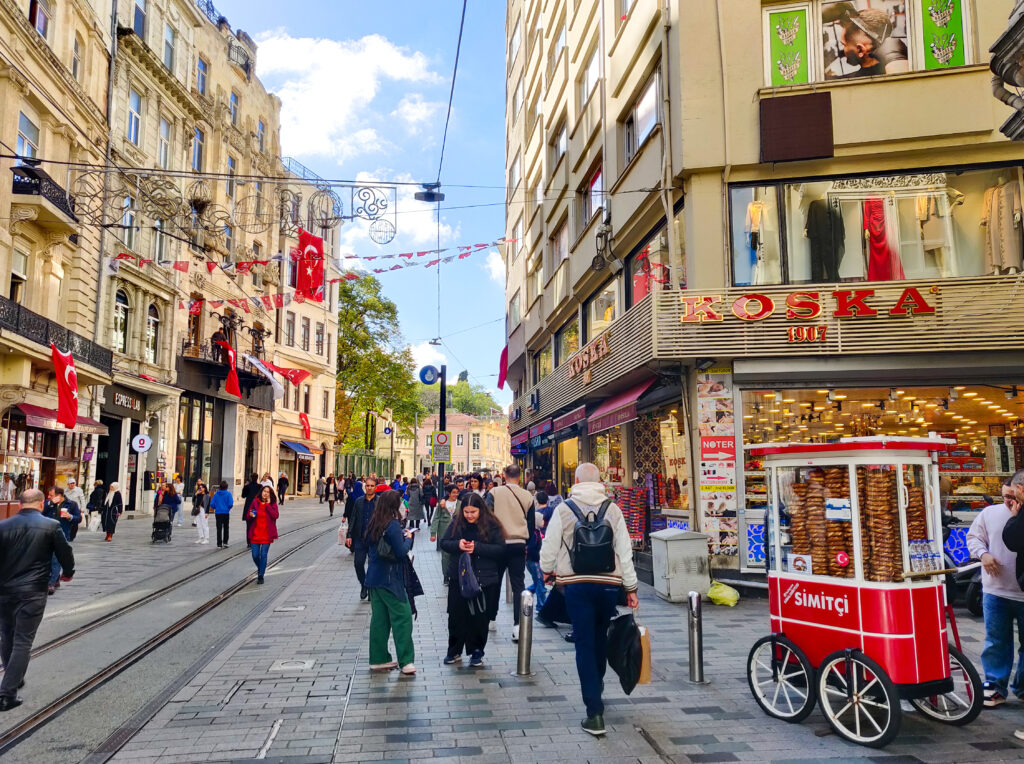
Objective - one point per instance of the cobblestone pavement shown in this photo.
(245, 704)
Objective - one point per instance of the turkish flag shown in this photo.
(295, 376)
(310, 281)
(503, 368)
(211, 266)
(304, 418)
(244, 267)
(231, 386)
(67, 387)
(182, 265)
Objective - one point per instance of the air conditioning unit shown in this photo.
(534, 402)
(516, 415)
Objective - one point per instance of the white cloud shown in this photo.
(413, 111)
(495, 267)
(425, 353)
(327, 87)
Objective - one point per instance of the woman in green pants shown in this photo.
(391, 612)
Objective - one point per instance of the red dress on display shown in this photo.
(883, 262)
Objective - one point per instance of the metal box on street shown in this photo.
(680, 563)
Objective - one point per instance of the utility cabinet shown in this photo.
(680, 564)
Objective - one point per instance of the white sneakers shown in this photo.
(515, 633)
(493, 626)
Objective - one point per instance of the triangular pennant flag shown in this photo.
(227, 267)
(407, 254)
(236, 303)
(380, 270)
(244, 267)
(245, 305)
(215, 303)
(144, 262)
(278, 258)
(181, 305)
(287, 300)
(432, 263)
(181, 265)
(370, 257)
(464, 255)
(448, 259)
(278, 300)
(257, 364)
(268, 302)
(397, 267)
(124, 256)
(211, 266)
(351, 276)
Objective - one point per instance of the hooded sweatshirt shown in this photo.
(554, 552)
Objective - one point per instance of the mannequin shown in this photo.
(1001, 216)
(827, 235)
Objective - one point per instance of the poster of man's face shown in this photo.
(864, 38)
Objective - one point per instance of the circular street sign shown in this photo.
(429, 375)
(387, 430)
(441, 439)
(142, 443)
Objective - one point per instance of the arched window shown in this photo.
(121, 311)
(152, 334)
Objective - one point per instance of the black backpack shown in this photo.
(593, 542)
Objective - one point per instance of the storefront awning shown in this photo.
(520, 438)
(618, 409)
(46, 419)
(301, 452)
(568, 420)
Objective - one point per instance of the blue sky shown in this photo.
(365, 89)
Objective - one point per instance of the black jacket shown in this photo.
(488, 556)
(28, 542)
(96, 499)
(250, 492)
(357, 522)
(1013, 537)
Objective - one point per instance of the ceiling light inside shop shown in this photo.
(931, 405)
(970, 394)
(789, 400)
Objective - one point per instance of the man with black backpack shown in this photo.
(587, 551)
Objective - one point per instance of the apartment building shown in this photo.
(53, 88)
(478, 443)
(743, 221)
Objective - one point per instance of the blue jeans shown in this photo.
(540, 592)
(997, 657)
(54, 570)
(591, 607)
(259, 556)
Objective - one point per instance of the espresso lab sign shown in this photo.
(591, 355)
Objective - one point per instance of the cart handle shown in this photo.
(927, 573)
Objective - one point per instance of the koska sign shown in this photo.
(589, 356)
(804, 306)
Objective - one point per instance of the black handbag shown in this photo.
(385, 552)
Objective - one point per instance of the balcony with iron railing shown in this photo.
(19, 320)
(55, 207)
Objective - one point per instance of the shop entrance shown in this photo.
(543, 465)
(568, 461)
(108, 450)
(252, 447)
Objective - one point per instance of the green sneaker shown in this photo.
(594, 725)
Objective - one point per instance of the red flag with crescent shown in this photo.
(304, 418)
(67, 387)
(295, 376)
(231, 387)
(310, 278)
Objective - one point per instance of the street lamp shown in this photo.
(1008, 69)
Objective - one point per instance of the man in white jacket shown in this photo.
(1002, 601)
(590, 599)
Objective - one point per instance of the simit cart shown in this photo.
(855, 577)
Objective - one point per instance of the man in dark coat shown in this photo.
(282, 487)
(362, 511)
(28, 542)
(58, 507)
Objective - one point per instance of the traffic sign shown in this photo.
(387, 430)
(142, 443)
(429, 375)
(442, 450)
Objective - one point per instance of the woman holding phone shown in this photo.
(261, 528)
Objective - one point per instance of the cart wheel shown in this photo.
(963, 704)
(781, 678)
(858, 698)
(973, 599)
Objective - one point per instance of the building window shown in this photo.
(198, 142)
(327, 404)
(296, 402)
(121, 314)
(601, 309)
(170, 40)
(229, 184)
(76, 59)
(305, 399)
(159, 241)
(293, 272)
(319, 339)
(517, 239)
(139, 19)
(233, 107)
(229, 240)
(330, 344)
(476, 441)
(559, 144)
(517, 100)
(535, 282)
(591, 74)
(39, 15)
(134, 115)
(257, 255)
(642, 119)
(202, 73)
(591, 197)
(557, 45)
(19, 275)
(305, 334)
(261, 135)
(287, 394)
(514, 174)
(543, 363)
(152, 334)
(459, 439)
(289, 329)
(163, 156)
(514, 315)
(567, 341)
(128, 218)
(28, 137)
(514, 42)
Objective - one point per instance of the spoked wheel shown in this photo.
(964, 702)
(781, 678)
(858, 698)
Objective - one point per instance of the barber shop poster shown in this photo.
(942, 32)
(787, 33)
(716, 418)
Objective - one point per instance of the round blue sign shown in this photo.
(387, 430)
(429, 375)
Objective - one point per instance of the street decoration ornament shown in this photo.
(67, 387)
(231, 387)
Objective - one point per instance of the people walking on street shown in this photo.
(321, 483)
(28, 543)
(590, 597)
(267, 480)
(95, 505)
(262, 529)
(200, 507)
(58, 507)
(362, 511)
(331, 490)
(513, 506)
(391, 612)
(443, 517)
(282, 487)
(415, 495)
(179, 488)
(172, 499)
(77, 495)
(221, 503)
(250, 492)
(353, 492)
(554, 497)
(537, 588)
(476, 532)
(113, 506)
(430, 498)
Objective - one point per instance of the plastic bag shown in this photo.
(625, 650)
(723, 594)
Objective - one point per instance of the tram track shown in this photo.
(20, 732)
(103, 620)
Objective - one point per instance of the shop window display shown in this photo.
(928, 225)
(606, 453)
(651, 268)
(601, 309)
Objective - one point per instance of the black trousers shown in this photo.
(359, 560)
(222, 529)
(468, 632)
(515, 565)
(20, 615)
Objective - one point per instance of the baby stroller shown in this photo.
(162, 524)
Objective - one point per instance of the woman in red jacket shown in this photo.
(261, 519)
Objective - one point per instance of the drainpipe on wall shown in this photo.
(674, 259)
(727, 169)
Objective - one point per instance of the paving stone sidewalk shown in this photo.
(246, 703)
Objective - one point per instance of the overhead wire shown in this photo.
(451, 93)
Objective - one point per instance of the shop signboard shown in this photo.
(87, 454)
(717, 477)
(123, 402)
(542, 428)
(588, 357)
(713, 448)
(520, 438)
(568, 420)
(519, 450)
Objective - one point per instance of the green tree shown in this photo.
(462, 397)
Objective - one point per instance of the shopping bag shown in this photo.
(95, 521)
(722, 594)
(645, 653)
(342, 533)
(625, 650)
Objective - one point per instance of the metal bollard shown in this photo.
(525, 636)
(696, 640)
